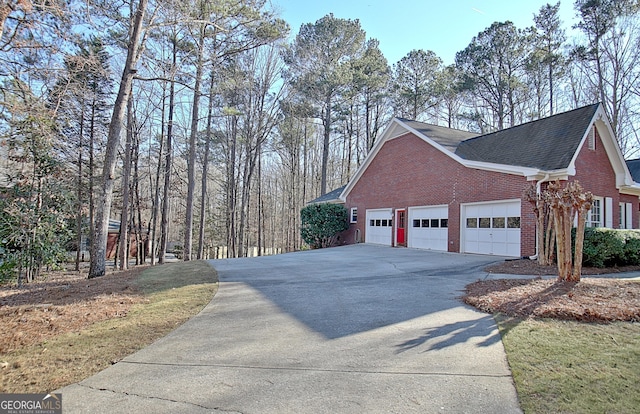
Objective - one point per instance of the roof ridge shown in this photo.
(434, 125)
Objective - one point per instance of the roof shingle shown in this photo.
(447, 137)
(547, 144)
(634, 169)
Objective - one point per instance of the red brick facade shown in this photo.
(595, 174)
(407, 172)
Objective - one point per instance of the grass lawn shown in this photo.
(573, 367)
(171, 293)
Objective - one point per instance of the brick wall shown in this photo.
(595, 174)
(409, 172)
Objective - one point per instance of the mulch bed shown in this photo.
(590, 300)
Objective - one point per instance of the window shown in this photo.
(626, 216)
(594, 218)
(425, 223)
(485, 223)
(444, 223)
(416, 223)
(354, 214)
(435, 223)
(472, 223)
(513, 222)
(498, 223)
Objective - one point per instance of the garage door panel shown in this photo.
(379, 226)
(429, 227)
(492, 228)
(513, 236)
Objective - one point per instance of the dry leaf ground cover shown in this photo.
(593, 299)
(65, 328)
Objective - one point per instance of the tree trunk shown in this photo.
(126, 190)
(560, 245)
(79, 207)
(103, 211)
(191, 163)
(205, 173)
(91, 172)
(579, 244)
(325, 145)
(140, 245)
(550, 239)
(164, 221)
(231, 188)
(153, 223)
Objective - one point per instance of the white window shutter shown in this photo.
(629, 215)
(608, 212)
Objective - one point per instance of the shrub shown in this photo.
(611, 247)
(321, 224)
(632, 248)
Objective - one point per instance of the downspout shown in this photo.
(538, 192)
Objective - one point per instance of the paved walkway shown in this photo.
(354, 329)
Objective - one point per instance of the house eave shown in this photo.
(333, 201)
(633, 190)
(499, 168)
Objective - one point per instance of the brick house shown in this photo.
(425, 186)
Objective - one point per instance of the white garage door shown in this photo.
(429, 227)
(379, 226)
(491, 228)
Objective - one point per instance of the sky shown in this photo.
(443, 26)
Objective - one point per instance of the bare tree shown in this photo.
(103, 208)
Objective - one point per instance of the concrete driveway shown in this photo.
(354, 329)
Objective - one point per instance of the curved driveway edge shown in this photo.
(353, 329)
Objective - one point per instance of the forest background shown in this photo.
(200, 126)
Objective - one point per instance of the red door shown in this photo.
(400, 226)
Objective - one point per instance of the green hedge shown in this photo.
(322, 223)
(610, 247)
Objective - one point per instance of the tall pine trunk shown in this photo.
(205, 173)
(191, 163)
(164, 221)
(103, 208)
(123, 249)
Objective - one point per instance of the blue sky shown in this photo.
(443, 26)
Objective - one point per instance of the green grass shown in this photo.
(173, 293)
(573, 367)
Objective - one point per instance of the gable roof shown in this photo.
(543, 149)
(634, 169)
(547, 144)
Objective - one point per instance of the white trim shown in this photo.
(590, 222)
(383, 212)
(629, 215)
(608, 212)
(624, 181)
(353, 210)
(394, 235)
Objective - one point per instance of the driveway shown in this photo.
(354, 329)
